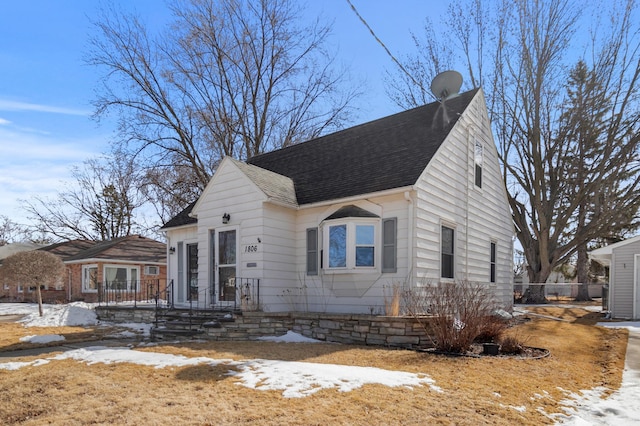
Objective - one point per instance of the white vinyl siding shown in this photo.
(446, 193)
(622, 284)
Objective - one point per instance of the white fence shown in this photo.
(558, 290)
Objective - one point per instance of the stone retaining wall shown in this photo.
(126, 314)
(356, 329)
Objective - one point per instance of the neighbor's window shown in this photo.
(121, 277)
(351, 245)
(478, 159)
(89, 278)
(151, 270)
(492, 273)
(447, 250)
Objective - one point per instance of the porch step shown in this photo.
(161, 332)
(185, 323)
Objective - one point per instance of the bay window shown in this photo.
(351, 245)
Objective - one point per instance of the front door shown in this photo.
(225, 259)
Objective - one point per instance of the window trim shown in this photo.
(350, 262)
(128, 281)
(452, 254)
(84, 288)
(493, 256)
(478, 162)
(148, 268)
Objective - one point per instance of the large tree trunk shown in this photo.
(583, 274)
(535, 291)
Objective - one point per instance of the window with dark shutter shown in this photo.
(312, 251)
(389, 245)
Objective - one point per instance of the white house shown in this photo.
(623, 260)
(330, 225)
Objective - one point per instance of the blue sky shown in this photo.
(46, 89)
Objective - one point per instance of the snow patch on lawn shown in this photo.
(294, 379)
(46, 338)
(71, 314)
(290, 337)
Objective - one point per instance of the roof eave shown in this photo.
(399, 190)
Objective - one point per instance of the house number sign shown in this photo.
(250, 248)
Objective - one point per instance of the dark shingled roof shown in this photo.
(134, 248)
(391, 152)
(67, 249)
(181, 218)
(383, 154)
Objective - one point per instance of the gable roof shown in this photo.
(275, 186)
(67, 249)
(391, 152)
(603, 254)
(388, 153)
(182, 218)
(134, 248)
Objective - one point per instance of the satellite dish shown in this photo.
(446, 85)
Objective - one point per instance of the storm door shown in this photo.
(226, 266)
(192, 271)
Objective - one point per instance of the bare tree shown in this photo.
(12, 232)
(228, 78)
(33, 268)
(100, 206)
(557, 205)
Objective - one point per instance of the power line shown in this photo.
(384, 46)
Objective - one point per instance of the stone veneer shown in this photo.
(357, 329)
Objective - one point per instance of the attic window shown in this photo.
(478, 159)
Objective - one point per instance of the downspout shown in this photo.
(407, 196)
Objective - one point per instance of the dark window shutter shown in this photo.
(312, 251)
(389, 245)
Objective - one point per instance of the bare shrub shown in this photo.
(392, 298)
(511, 344)
(493, 328)
(453, 313)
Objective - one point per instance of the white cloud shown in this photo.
(8, 105)
(4, 122)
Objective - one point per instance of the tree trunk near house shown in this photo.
(583, 274)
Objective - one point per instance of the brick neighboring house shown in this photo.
(115, 270)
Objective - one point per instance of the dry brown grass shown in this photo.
(68, 392)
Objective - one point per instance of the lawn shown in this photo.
(487, 390)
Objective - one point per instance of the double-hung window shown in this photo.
(352, 245)
(89, 278)
(447, 263)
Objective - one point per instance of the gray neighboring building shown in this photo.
(623, 260)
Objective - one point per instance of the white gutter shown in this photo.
(357, 197)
